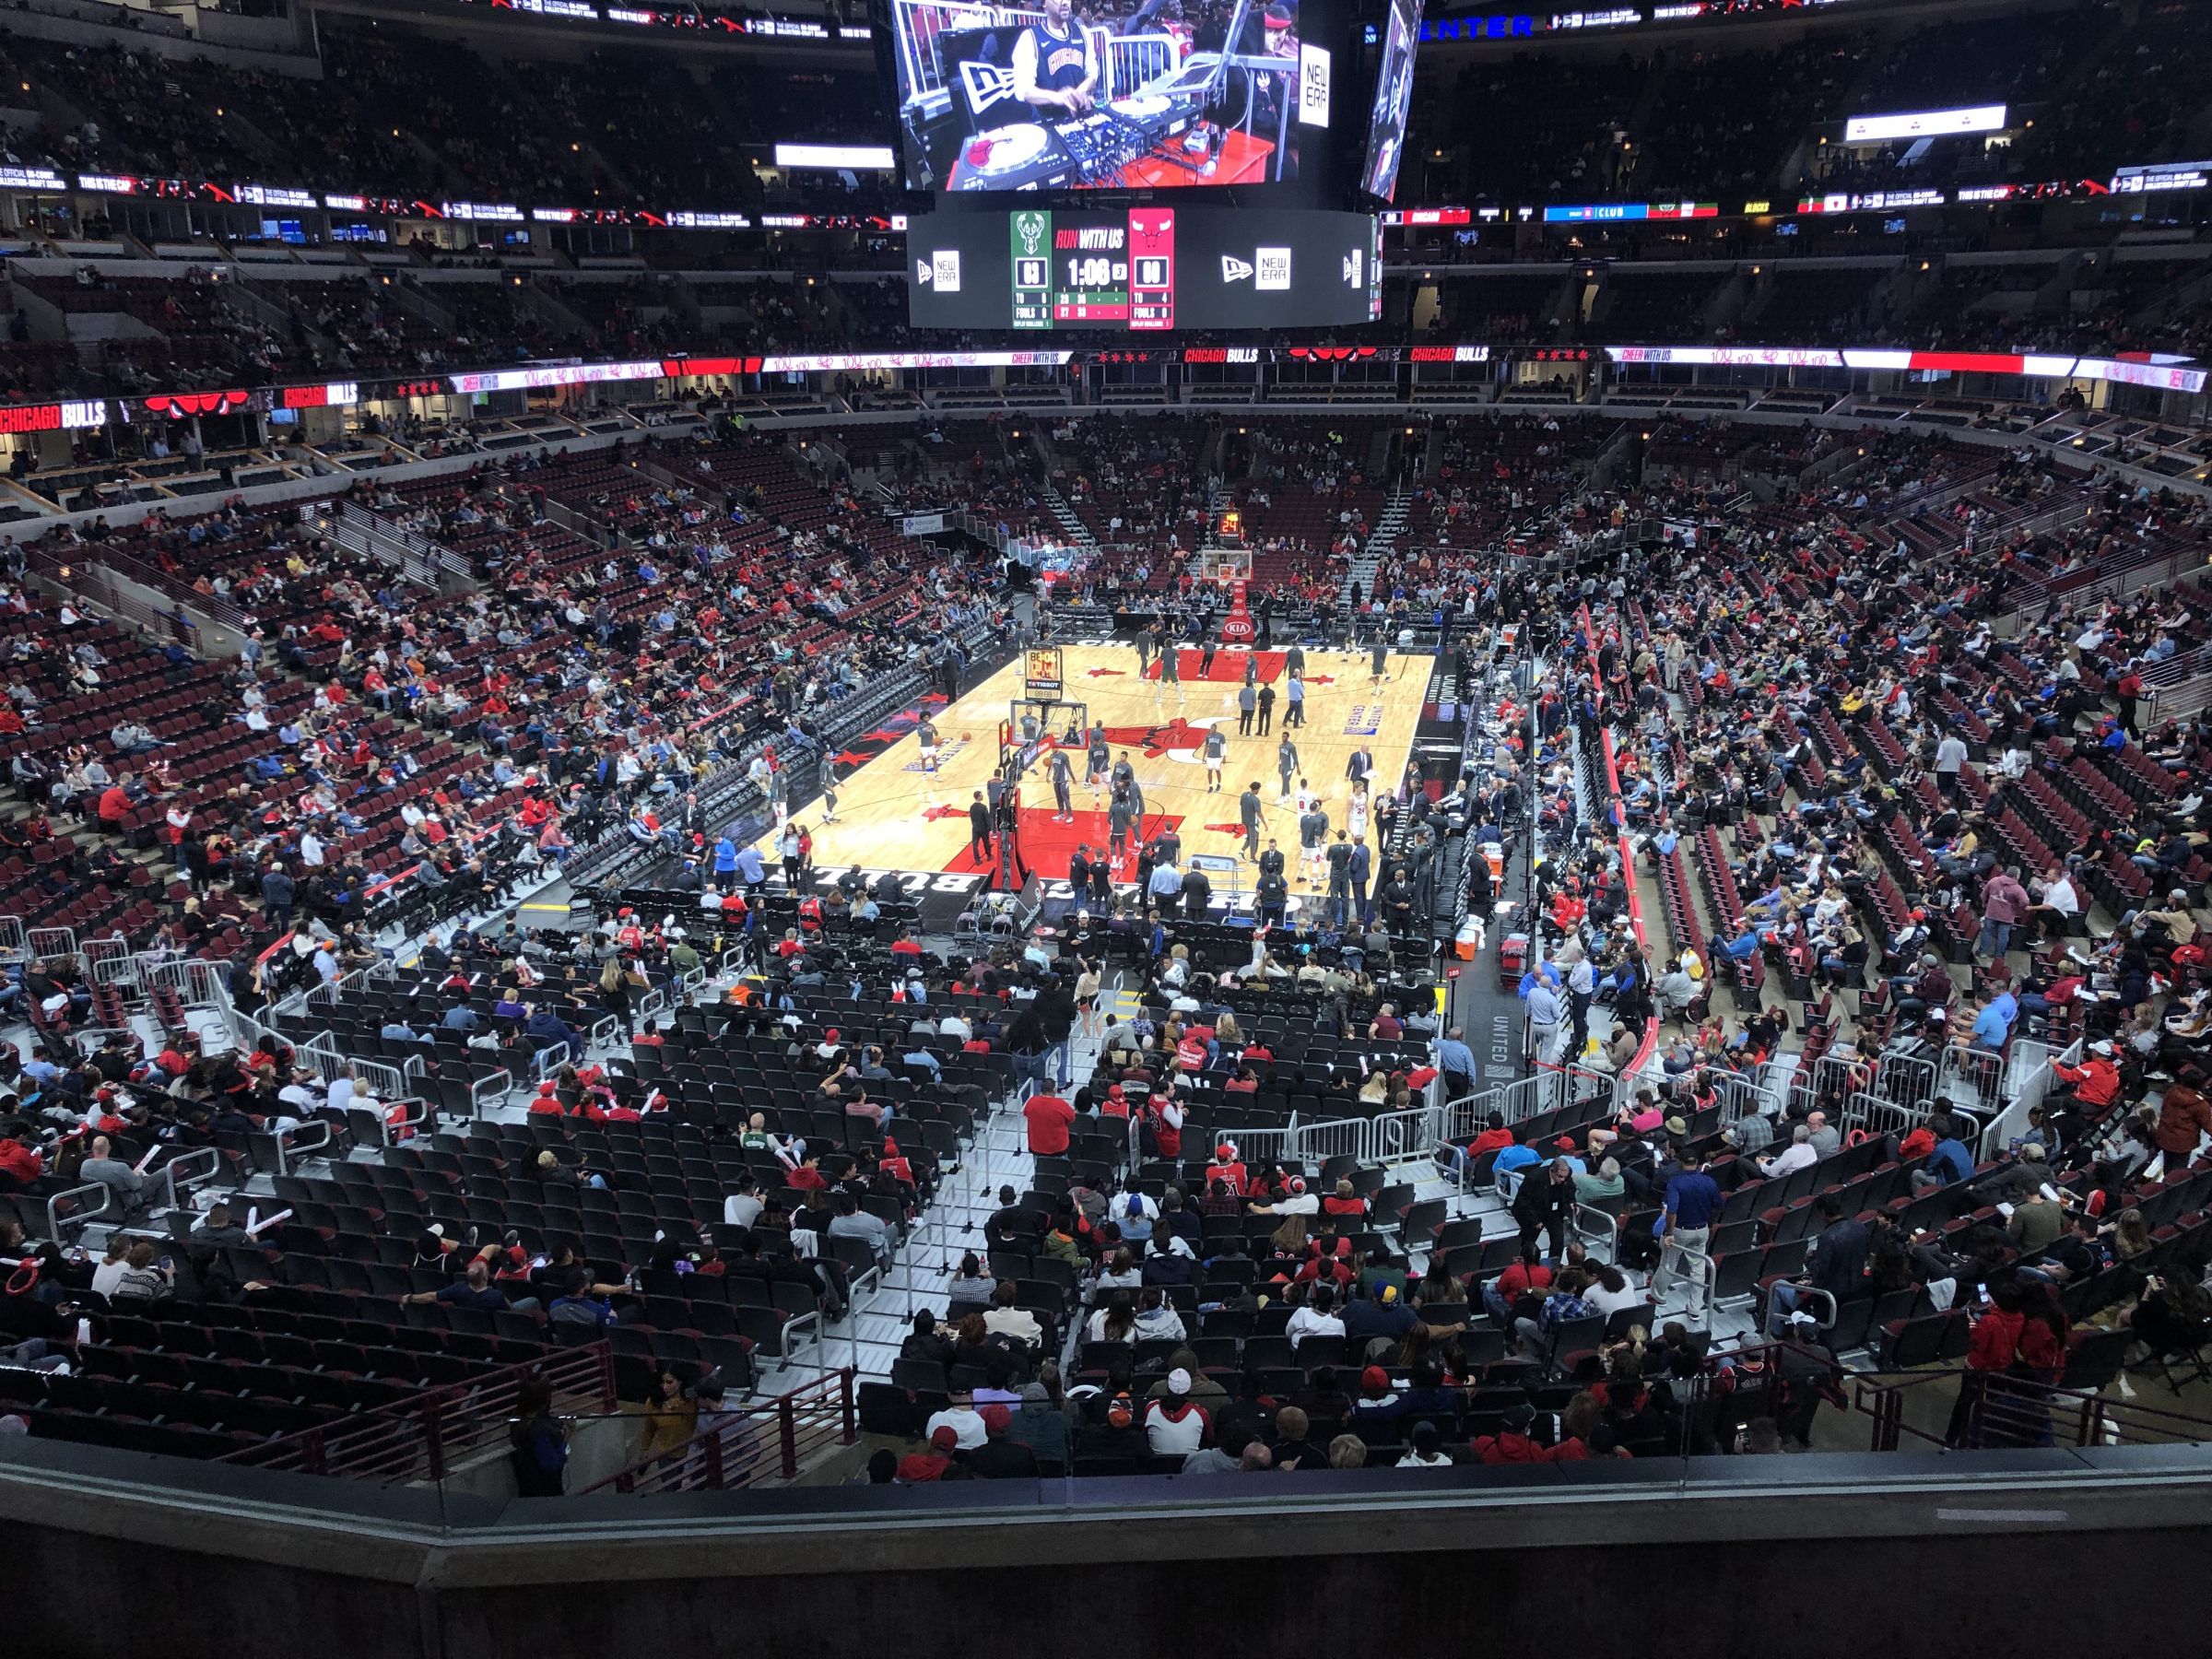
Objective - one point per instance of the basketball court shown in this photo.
(894, 815)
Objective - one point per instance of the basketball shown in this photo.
(965, 735)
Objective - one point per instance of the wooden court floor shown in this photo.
(891, 814)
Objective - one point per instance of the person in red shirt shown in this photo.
(20, 1164)
(1527, 1277)
(115, 805)
(1228, 1168)
(1049, 1119)
(1163, 1120)
(1344, 1201)
(1495, 1138)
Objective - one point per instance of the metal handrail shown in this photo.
(179, 1180)
(291, 1143)
(735, 1454)
(54, 1202)
(424, 1435)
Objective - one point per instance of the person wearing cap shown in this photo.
(1512, 1443)
(1000, 1457)
(940, 1462)
(2094, 1084)
(1381, 1313)
(1175, 1425)
(1379, 1402)
(1931, 987)
(2027, 1170)
(1112, 1429)
(1426, 1450)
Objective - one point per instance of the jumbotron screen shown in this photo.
(1146, 269)
(1393, 100)
(1061, 95)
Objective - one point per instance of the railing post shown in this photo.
(852, 1413)
(787, 1435)
(713, 1442)
(434, 1441)
(607, 1375)
(315, 1462)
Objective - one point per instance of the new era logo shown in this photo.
(1274, 275)
(985, 84)
(1233, 270)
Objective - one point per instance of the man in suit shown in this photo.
(978, 829)
(1362, 871)
(1340, 880)
(1248, 806)
(1198, 893)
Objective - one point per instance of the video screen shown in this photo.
(1083, 95)
(1151, 268)
(1393, 99)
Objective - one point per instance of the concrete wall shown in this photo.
(1993, 1553)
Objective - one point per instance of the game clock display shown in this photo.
(1093, 268)
(1145, 270)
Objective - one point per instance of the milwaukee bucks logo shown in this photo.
(1029, 230)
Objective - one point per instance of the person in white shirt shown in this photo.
(1298, 1203)
(1317, 1318)
(953, 1026)
(1175, 1426)
(1797, 1155)
(1004, 1318)
(1427, 1451)
(341, 1092)
(2057, 902)
(1612, 1290)
(963, 1419)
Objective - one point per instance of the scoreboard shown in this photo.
(1092, 268)
(1145, 270)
